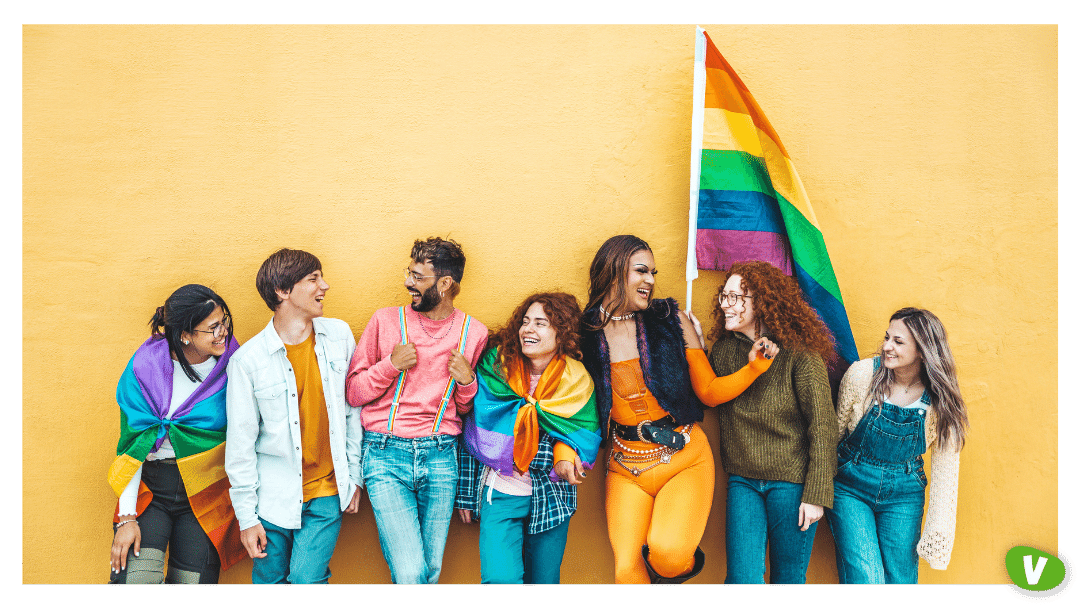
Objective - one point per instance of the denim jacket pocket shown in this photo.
(273, 402)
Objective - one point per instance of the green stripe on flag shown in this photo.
(808, 248)
(188, 440)
(734, 170)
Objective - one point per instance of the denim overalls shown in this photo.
(879, 491)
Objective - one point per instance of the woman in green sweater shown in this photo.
(778, 438)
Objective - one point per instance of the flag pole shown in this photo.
(696, 129)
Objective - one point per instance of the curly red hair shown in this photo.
(562, 310)
(780, 307)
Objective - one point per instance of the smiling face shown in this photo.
(738, 310)
(899, 351)
(422, 285)
(539, 340)
(640, 280)
(307, 295)
(209, 338)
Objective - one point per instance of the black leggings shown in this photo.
(168, 523)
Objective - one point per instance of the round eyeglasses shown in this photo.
(416, 277)
(731, 298)
(218, 329)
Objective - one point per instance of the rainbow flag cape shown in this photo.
(569, 415)
(197, 434)
(747, 201)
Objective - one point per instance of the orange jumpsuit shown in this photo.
(667, 505)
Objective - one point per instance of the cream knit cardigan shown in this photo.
(939, 529)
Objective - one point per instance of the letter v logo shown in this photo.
(1033, 574)
(1034, 570)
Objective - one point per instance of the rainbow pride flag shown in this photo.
(747, 201)
(567, 411)
(196, 431)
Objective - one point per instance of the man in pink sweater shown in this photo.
(412, 375)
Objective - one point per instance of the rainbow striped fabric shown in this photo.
(196, 431)
(747, 201)
(569, 414)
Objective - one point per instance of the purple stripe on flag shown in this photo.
(493, 449)
(718, 249)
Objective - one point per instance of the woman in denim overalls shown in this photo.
(891, 408)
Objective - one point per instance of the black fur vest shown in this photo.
(663, 362)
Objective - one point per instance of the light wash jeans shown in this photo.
(761, 512)
(411, 484)
(300, 556)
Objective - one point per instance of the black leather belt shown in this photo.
(660, 431)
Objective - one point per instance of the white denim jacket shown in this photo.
(263, 454)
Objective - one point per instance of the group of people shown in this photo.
(257, 450)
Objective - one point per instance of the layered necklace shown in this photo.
(449, 326)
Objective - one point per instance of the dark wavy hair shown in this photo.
(562, 310)
(779, 307)
(608, 271)
(937, 371)
(445, 256)
(182, 312)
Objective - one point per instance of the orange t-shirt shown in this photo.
(318, 461)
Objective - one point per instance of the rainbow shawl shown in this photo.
(747, 201)
(197, 434)
(504, 427)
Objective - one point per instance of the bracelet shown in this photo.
(126, 521)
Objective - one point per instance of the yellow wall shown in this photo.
(158, 156)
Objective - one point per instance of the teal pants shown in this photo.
(508, 553)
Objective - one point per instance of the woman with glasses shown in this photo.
(892, 407)
(169, 470)
(652, 377)
(531, 434)
(778, 438)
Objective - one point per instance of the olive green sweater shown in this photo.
(782, 428)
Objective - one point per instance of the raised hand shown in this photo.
(403, 356)
(460, 369)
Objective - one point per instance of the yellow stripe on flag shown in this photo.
(724, 130)
(121, 471)
(202, 470)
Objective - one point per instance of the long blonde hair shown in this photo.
(937, 372)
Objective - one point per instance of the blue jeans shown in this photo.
(411, 484)
(300, 556)
(508, 553)
(880, 487)
(759, 513)
(876, 520)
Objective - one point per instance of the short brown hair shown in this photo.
(283, 269)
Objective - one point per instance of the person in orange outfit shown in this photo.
(652, 378)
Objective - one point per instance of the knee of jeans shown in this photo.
(148, 568)
(409, 574)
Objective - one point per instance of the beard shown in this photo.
(428, 300)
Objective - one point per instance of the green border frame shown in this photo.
(557, 11)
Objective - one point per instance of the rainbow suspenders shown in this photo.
(401, 378)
